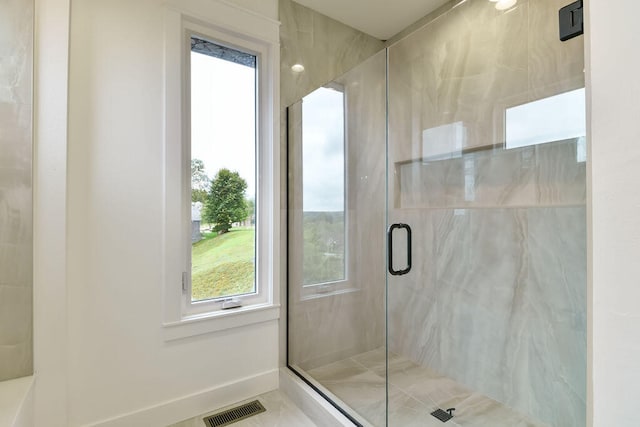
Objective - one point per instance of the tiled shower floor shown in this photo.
(414, 392)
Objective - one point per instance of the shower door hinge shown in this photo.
(185, 277)
(571, 21)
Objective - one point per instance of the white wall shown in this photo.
(111, 355)
(49, 209)
(267, 8)
(614, 90)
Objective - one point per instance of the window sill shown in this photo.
(217, 321)
(310, 295)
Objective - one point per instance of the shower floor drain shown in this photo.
(442, 415)
(234, 415)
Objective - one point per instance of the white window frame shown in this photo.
(261, 294)
(227, 25)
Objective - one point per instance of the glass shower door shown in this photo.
(336, 241)
(486, 283)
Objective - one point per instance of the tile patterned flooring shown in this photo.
(280, 412)
(414, 392)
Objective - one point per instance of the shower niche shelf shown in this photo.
(491, 176)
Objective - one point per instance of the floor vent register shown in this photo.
(234, 415)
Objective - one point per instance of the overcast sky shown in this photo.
(323, 151)
(223, 117)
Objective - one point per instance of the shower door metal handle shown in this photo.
(393, 227)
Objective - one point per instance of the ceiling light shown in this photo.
(297, 68)
(505, 4)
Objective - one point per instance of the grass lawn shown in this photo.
(223, 264)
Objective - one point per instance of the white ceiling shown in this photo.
(381, 19)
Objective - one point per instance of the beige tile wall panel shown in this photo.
(16, 243)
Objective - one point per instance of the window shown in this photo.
(556, 118)
(207, 37)
(323, 187)
(223, 179)
(221, 172)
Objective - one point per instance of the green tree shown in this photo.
(199, 181)
(225, 203)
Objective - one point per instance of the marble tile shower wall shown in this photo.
(547, 174)
(497, 297)
(16, 55)
(326, 48)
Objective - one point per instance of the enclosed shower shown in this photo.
(437, 225)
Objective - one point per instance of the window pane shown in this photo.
(323, 181)
(223, 165)
(556, 118)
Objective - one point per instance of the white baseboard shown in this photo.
(174, 411)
